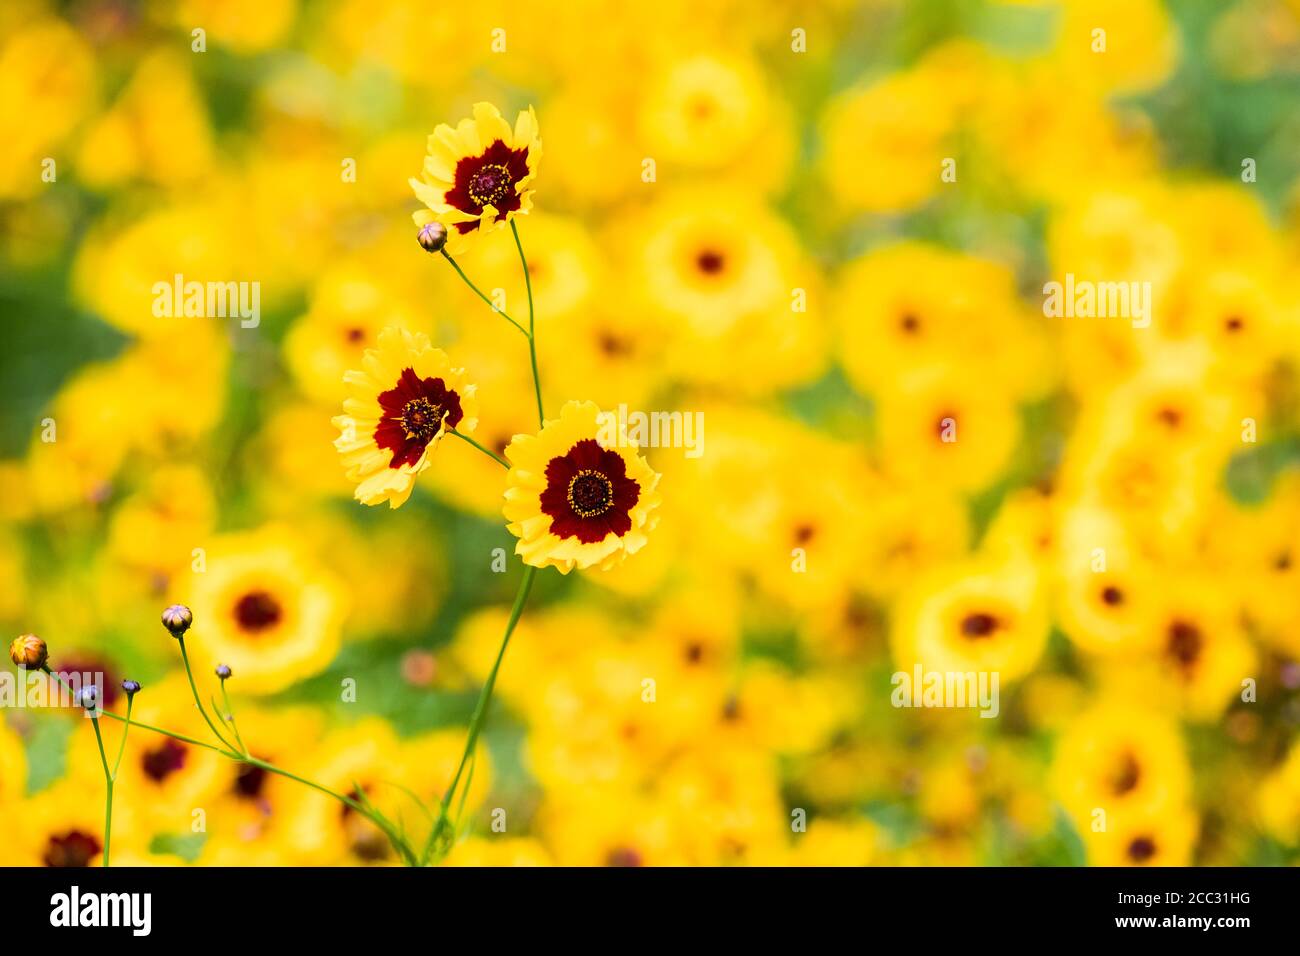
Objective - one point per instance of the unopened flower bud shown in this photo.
(29, 652)
(88, 697)
(223, 671)
(132, 687)
(432, 236)
(177, 619)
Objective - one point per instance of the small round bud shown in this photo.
(132, 687)
(29, 652)
(88, 697)
(177, 619)
(223, 671)
(432, 236)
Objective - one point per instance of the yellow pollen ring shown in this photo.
(591, 507)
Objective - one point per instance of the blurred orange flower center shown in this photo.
(73, 848)
(164, 760)
(257, 611)
(710, 261)
(979, 625)
(1184, 643)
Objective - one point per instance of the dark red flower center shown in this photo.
(416, 410)
(588, 494)
(1127, 775)
(421, 418)
(710, 262)
(257, 611)
(623, 856)
(490, 185)
(163, 761)
(1185, 643)
(74, 848)
(249, 781)
(979, 625)
(1141, 849)
(490, 179)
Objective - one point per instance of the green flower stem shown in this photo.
(228, 753)
(185, 657)
(480, 708)
(464, 793)
(490, 304)
(121, 747)
(487, 451)
(272, 768)
(532, 330)
(174, 736)
(108, 788)
(230, 712)
(143, 726)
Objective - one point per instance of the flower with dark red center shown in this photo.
(477, 175)
(269, 612)
(577, 495)
(416, 411)
(588, 494)
(405, 399)
(489, 179)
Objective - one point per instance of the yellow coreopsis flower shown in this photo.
(578, 496)
(267, 610)
(404, 400)
(478, 175)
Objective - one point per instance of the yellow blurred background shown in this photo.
(827, 228)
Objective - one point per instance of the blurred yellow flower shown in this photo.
(1119, 759)
(976, 617)
(263, 607)
(349, 310)
(47, 85)
(157, 130)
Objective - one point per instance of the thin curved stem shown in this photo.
(230, 712)
(532, 329)
(487, 451)
(230, 754)
(478, 292)
(121, 747)
(108, 795)
(464, 794)
(143, 726)
(481, 708)
(185, 658)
